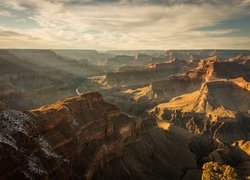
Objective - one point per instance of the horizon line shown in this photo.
(72, 49)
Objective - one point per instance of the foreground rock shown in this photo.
(86, 138)
(2, 106)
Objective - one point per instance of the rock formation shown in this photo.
(86, 138)
(144, 75)
(48, 58)
(2, 106)
(198, 120)
(25, 85)
(121, 60)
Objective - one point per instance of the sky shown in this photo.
(125, 24)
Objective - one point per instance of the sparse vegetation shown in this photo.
(213, 171)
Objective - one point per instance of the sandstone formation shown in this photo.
(213, 100)
(121, 60)
(221, 94)
(2, 106)
(191, 114)
(219, 108)
(135, 89)
(217, 112)
(86, 138)
(144, 75)
(204, 53)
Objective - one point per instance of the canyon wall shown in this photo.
(84, 137)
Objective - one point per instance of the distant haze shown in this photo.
(125, 24)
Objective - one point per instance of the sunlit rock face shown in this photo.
(135, 89)
(217, 112)
(85, 137)
(192, 110)
(222, 99)
(210, 110)
(195, 55)
(144, 75)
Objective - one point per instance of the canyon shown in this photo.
(84, 137)
(84, 114)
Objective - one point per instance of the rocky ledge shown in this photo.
(85, 137)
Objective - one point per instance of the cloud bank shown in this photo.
(124, 24)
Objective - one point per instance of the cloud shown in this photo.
(147, 2)
(14, 39)
(13, 35)
(5, 13)
(122, 24)
(6, 33)
(13, 4)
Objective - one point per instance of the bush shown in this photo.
(214, 171)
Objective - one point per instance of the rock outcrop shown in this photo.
(121, 60)
(204, 53)
(137, 60)
(219, 108)
(86, 138)
(200, 114)
(209, 69)
(144, 75)
(2, 106)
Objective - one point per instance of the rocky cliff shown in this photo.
(121, 60)
(25, 85)
(217, 113)
(145, 75)
(86, 138)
